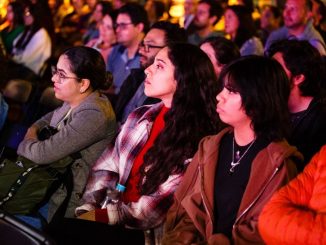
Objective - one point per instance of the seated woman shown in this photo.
(235, 172)
(241, 28)
(220, 51)
(153, 147)
(85, 122)
(296, 213)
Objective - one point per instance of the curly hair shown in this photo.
(191, 117)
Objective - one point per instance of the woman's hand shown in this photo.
(90, 215)
(31, 133)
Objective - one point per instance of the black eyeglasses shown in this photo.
(122, 25)
(147, 47)
(62, 77)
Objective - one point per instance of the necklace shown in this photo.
(237, 155)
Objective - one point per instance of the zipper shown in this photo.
(202, 194)
(255, 200)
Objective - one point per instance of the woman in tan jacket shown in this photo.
(221, 195)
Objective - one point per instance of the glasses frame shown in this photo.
(54, 71)
(147, 47)
(121, 25)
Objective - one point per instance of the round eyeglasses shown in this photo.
(62, 77)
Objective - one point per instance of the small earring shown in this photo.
(81, 91)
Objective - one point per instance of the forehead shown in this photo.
(64, 63)
(203, 7)
(107, 19)
(155, 35)
(297, 3)
(123, 18)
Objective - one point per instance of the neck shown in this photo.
(296, 31)
(298, 103)
(244, 135)
(79, 99)
(205, 31)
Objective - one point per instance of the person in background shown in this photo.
(85, 123)
(155, 10)
(101, 9)
(234, 173)
(187, 20)
(298, 25)
(241, 28)
(152, 149)
(15, 19)
(296, 213)
(319, 17)
(307, 106)
(270, 20)
(208, 13)
(131, 26)
(220, 51)
(132, 94)
(107, 38)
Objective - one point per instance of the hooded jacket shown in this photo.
(190, 220)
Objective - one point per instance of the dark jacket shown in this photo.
(309, 133)
(190, 220)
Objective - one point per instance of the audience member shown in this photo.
(155, 10)
(298, 25)
(15, 19)
(220, 51)
(270, 20)
(132, 93)
(241, 28)
(171, 129)
(107, 39)
(303, 66)
(187, 20)
(319, 17)
(207, 15)
(32, 48)
(85, 122)
(296, 213)
(131, 24)
(221, 195)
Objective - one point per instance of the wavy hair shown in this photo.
(191, 117)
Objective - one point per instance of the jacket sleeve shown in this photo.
(179, 228)
(87, 126)
(288, 218)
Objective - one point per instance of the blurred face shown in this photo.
(126, 31)
(66, 85)
(231, 22)
(230, 110)
(295, 13)
(97, 14)
(10, 14)
(267, 19)
(189, 7)
(107, 34)
(202, 18)
(28, 18)
(160, 82)
(151, 45)
(208, 49)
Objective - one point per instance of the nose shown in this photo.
(219, 96)
(148, 70)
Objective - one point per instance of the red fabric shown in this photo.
(101, 215)
(132, 193)
(297, 213)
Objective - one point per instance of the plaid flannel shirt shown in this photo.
(115, 165)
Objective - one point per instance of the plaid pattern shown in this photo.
(115, 165)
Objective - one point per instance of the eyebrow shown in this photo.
(161, 60)
(60, 70)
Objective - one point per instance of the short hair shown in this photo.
(275, 10)
(173, 32)
(88, 63)
(225, 50)
(215, 9)
(137, 14)
(300, 57)
(264, 89)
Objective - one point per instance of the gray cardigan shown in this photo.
(90, 127)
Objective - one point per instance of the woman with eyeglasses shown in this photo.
(85, 122)
(151, 152)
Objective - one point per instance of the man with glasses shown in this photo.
(131, 24)
(131, 93)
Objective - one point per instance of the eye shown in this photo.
(158, 66)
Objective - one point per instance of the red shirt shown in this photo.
(132, 192)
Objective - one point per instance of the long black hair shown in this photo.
(191, 117)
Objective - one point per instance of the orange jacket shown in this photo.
(296, 214)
